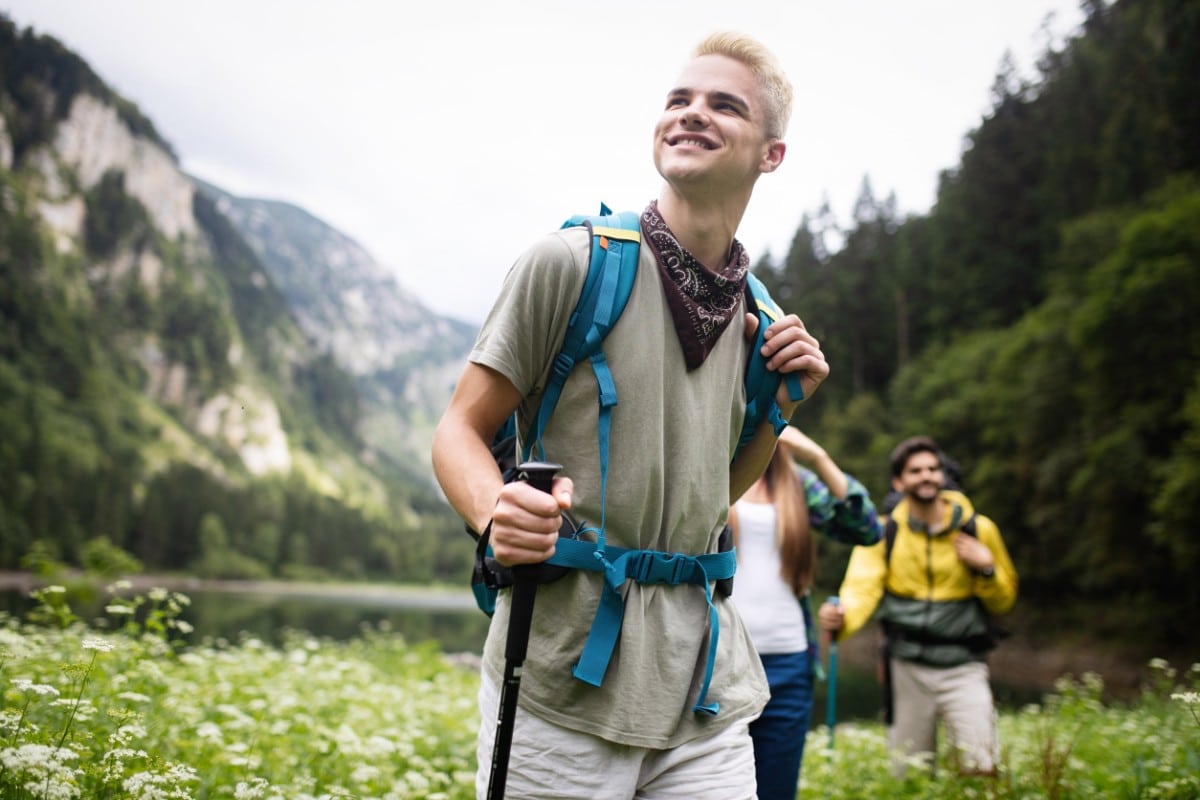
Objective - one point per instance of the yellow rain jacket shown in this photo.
(934, 608)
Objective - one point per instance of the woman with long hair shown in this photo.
(773, 524)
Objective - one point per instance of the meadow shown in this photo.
(123, 708)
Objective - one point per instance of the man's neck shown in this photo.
(705, 230)
(928, 514)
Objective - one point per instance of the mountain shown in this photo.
(201, 382)
(405, 358)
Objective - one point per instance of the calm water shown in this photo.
(450, 620)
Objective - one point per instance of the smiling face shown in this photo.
(712, 132)
(921, 478)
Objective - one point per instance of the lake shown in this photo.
(229, 610)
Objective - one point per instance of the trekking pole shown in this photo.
(539, 475)
(831, 692)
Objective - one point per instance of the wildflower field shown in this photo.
(124, 708)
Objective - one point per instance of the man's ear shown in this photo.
(899, 487)
(773, 157)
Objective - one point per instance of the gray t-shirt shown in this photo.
(673, 435)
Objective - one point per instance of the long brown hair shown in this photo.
(793, 527)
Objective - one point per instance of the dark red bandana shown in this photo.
(702, 301)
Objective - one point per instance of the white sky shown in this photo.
(445, 136)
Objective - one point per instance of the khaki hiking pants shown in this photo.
(961, 697)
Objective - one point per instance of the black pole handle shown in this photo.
(540, 475)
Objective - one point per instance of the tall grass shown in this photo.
(121, 708)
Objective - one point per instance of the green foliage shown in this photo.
(43, 77)
(1040, 323)
(111, 215)
(104, 559)
(43, 560)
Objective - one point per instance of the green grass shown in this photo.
(1071, 746)
(123, 710)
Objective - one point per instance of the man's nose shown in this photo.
(693, 117)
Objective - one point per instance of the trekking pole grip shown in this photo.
(539, 475)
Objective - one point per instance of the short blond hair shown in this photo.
(776, 88)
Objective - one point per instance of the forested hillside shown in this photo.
(1042, 321)
(158, 397)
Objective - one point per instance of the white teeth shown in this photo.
(693, 143)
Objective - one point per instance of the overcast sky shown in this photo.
(445, 136)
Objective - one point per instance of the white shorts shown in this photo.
(550, 762)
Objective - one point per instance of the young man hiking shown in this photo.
(937, 574)
(666, 721)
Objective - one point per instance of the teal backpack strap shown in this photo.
(612, 268)
(762, 383)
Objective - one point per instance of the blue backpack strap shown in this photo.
(612, 268)
(763, 383)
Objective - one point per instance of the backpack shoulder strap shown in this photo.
(612, 267)
(762, 383)
(889, 539)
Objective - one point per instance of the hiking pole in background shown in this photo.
(539, 475)
(831, 691)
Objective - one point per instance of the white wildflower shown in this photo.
(120, 585)
(118, 609)
(182, 625)
(161, 786)
(254, 790)
(1187, 698)
(134, 697)
(43, 769)
(157, 594)
(210, 731)
(98, 644)
(26, 685)
(365, 773)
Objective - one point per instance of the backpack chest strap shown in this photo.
(618, 565)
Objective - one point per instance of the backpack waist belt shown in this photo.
(618, 564)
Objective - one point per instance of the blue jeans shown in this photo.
(780, 732)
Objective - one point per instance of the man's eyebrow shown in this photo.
(736, 100)
(727, 97)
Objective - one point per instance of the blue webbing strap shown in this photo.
(761, 383)
(619, 564)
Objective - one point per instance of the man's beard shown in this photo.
(917, 499)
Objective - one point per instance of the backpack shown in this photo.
(612, 267)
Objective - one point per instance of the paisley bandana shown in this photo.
(702, 301)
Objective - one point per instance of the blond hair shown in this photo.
(776, 89)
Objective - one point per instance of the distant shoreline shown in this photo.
(408, 595)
